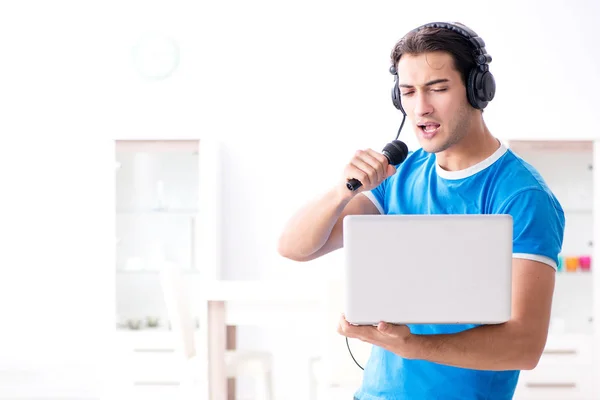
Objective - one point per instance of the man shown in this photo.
(460, 168)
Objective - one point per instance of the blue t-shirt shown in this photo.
(502, 184)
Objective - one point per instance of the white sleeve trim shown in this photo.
(536, 257)
(371, 197)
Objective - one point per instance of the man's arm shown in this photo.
(514, 345)
(317, 228)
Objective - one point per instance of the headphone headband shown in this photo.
(480, 57)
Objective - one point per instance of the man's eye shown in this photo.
(407, 93)
(440, 90)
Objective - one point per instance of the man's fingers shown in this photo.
(367, 166)
(390, 171)
(361, 171)
(367, 334)
(347, 329)
(374, 160)
(380, 162)
(343, 326)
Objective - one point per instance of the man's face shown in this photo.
(434, 99)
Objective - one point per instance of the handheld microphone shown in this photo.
(396, 152)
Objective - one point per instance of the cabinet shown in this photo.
(167, 211)
(149, 367)
(565, 371)
(156, 203)
(569, 367)
(156, 219)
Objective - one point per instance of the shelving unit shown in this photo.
(167, 211)
(568, 169)
(569, 368)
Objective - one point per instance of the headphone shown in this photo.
(481, 85)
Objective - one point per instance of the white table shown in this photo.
(261, 303)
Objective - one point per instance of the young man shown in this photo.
(461, 168)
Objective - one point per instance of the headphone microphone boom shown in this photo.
(395, 152)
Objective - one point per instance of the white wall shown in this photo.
(290, 88)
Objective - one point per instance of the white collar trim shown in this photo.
(472, 170)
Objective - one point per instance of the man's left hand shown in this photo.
(394, 338)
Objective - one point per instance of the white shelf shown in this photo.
(571, 275)
(551, 145)
(170, 211)
(153, 271)
(158, 146)
(578, 210)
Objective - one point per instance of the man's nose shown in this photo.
(422, 105)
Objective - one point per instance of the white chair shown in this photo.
(255, 364)
(334, 375)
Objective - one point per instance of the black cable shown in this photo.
(348, 345)
(401, 125)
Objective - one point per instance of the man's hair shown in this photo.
(437, 39)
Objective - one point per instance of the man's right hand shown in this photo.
(370, 168)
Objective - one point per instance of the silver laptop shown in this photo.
(420, 269)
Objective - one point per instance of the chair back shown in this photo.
(178, 309)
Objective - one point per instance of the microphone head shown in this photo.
(396, 152)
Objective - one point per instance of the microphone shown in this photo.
(395, 152)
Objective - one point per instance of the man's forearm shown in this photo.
(310, 228)
(506, 346)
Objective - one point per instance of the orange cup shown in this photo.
(571, 263)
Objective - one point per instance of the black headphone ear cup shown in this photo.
(481, 88)
(488, 86)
